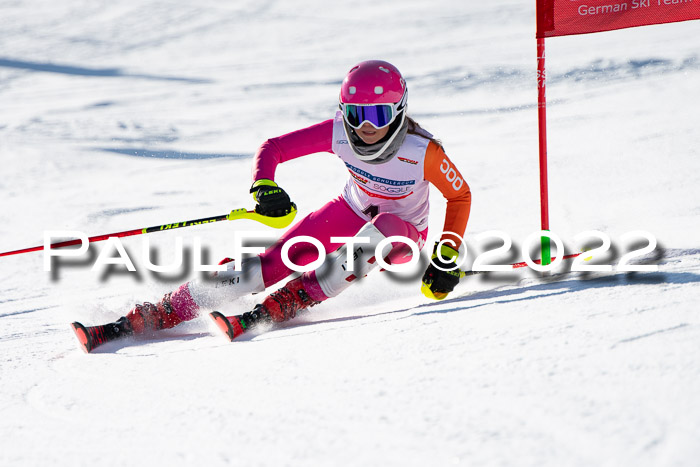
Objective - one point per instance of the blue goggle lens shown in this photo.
(379, 115)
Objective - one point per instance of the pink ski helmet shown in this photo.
(374, 91)
(373, 82)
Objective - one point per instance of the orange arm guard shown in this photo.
(441, 172)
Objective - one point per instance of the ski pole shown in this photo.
(236, 214)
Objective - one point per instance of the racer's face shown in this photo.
(371, 135)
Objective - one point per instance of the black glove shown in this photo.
(272, 200)
(436, 283)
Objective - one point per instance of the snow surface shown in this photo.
(117, 115)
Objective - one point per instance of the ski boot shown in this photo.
(234, 326)
(279, 306)
(93, 336)
(149, 317)
(146, 317)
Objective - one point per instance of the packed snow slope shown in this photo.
(116, 115)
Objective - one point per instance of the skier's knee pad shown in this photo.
(344, 266)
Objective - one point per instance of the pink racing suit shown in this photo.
(335, 219)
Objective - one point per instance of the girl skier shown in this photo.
(391, 161)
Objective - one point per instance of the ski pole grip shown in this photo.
(274, 222)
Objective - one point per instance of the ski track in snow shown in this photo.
(118, 115)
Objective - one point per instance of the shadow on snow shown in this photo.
(163, 154)
(527, 293)
(553, 287)
(91, 72)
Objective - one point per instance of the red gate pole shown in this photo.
(542, 125)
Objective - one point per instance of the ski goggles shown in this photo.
(378, 115)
